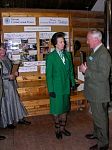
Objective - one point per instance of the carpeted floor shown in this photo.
(40, 134)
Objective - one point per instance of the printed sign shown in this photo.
(54, 21)
(28, 69)
(20, 35)
(48, 35)
(19, 21)
(37, 28)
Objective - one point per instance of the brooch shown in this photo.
(90, 58)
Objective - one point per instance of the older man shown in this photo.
(96, 88)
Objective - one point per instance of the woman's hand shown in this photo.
(11, 77)
(16, 74)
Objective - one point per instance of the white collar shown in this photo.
(58, 51)
(96, 48)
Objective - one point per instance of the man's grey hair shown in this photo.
(96, 33)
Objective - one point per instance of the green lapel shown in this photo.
(59, 61)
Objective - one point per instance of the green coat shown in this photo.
(96, 85)
(59, 78)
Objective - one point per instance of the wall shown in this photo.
(81, 23)
(32, 86)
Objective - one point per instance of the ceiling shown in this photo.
(49, 4)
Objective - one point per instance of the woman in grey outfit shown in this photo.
(12, 110)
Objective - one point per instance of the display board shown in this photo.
(28, 39)
(27, 35)
(33, 30)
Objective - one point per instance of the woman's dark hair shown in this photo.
(56, 36)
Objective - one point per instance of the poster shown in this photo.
(20, 49)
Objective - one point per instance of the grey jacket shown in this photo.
(1, 84)
(96, 87)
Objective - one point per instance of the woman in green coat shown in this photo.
(59, 76)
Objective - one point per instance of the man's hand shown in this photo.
(75, 87)
(83, 67)
(52, 94)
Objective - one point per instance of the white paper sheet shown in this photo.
(32, 41)
(42, 69)
(28, 69)
(80, 77)
(54, 21)
(20, 35)
(37, 28)
(34, 63)
(16, 57)
(32, 52)
(19, 21)
(48, 35)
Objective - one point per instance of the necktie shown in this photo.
(92, 51)
(62, 56)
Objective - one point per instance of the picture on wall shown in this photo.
(21, 49)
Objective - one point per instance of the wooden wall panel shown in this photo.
(82, 32)
(87, 22)
(87, 14)
(37, 92)
(32, 86)
(81, 23)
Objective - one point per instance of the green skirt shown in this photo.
(60, 104)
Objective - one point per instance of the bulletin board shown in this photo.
(28, 38)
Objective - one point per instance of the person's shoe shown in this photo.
(104, 147)
(11, 126)
(66, 132)
(25, 122)
(94, 147)
(2, 137)
(58, 135)
(90, 136)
